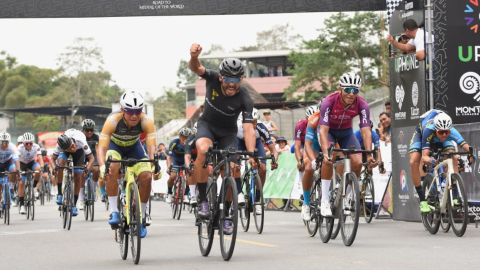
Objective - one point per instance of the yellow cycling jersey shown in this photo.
(116, 129)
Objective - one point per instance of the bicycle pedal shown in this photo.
(115, 227)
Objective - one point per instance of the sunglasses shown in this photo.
(133, 111)
(183, 137)
(228, 80)
(443, 132)
(88, 130)
(28, 143)
(349, 90)
(5, 142)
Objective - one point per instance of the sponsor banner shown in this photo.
(407, 89)
(405, 9)
(405, 198)
(457, 73)
(50, 138)
(279, 183)
(115, 8)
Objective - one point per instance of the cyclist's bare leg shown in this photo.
(415, 168)
(171, 180)
(145, 179)
(356, 163)
(112, 180)
(262, 172)
(308, 175)
(201, 174)
(79, 183)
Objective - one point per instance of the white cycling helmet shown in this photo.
(132, 100)
(185, 132)
(350, 79)
(442, 121)
(311, 110)
(20, 139)
(255, 114)
(5, 137)
(28, 137)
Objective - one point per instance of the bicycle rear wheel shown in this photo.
(85, 201)
(245, 209)
(459, 211)
(173, 204)
(336, 221)
(48, 191)
(228, 236)
(312, 225)
(259, 218)
(42, 191)
(350, 211)
(179, 201)
(368, 198)
(91, 200)
(6, 205)
(431, 220)
(122, 237)
(135, 222)
(69, 202)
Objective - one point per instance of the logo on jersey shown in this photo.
(214, 94)
(364, 115)
(325, 118)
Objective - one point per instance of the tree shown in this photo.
(277, 38)
(46, 123)
(347, 43)
(169, 106)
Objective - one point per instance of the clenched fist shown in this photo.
(195, 50)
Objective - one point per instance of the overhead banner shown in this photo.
(408, 94)
(117, 8)
(457, 59)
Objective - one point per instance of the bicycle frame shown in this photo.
(448, 182)
(129, 179)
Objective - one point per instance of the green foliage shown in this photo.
(277, 38)
(347, 43)
(46, 123)
(169, 106)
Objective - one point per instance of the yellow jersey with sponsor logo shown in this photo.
(116, 130)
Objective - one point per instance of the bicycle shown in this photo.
(178, 188)
(252, 184)
(89, 198)
(451, 205)
(66, 208)
(29, 194)
(344, 206)
(221, 209)
(129, 208)
(367, 193)
(6, 197)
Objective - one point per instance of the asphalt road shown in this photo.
(173, 244)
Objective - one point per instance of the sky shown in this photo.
(143, 53)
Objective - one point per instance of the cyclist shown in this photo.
(434, 130)
(299, 145)
(337, 112)
(225, 99)
(28, 151)
(176, 156)
(9, 160)
(261, 131)
(190, 157)
(72, 143)
(311, 148)
(376, 142)
(120, 138)
(88, 128)
(46, 165)
(19, 140)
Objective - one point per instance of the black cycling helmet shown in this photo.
(64, 142)
(231, 67)
(88, 124)
(43, 151)
(371, 124)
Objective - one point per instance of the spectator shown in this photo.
(416, 41)
(385, 130)
(282, 145)
(161, 151)
(269, 123)
(265, 147)
(404, 39)
(387, 107)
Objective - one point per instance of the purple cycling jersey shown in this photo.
(300, 131)
(336, 116)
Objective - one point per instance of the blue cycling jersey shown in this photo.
(375, 138)
(175, 149)
(428, 136)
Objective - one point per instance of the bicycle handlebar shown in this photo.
(130, 162)
(231, 151)
(352, 150)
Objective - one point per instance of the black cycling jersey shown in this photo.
(93, 142)
(222, 111)
(190, 147)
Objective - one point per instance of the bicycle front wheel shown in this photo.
(258, 215)
(458, 211)
(350, 211)
(42, 191)
(245, 209)
(179, 200)
(85, 201)
(368, 198)
(91, 199)
(69, 202)
(431, 220)
(135, 222)
(312, 225)
(6, 205)
(229, 219)
(336, 221)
